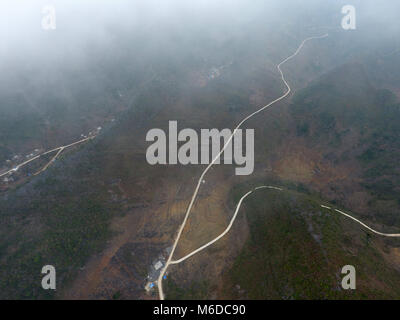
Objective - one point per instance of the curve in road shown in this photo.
(229, 226)
(280, 189)
(164, 269)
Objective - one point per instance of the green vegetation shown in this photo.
(296, 250)
(196, 290)
(59, 220)
(117, 295)
(354, 124)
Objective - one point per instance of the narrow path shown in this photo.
(50, 162)
(363, 224)
(59, 149)
(160, 278)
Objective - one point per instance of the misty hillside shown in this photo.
(355, 124)
(351, 127)
(295, 250)
(112, 71)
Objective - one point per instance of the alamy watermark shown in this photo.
(49, 280)
(188, 152)
(349, 280)
(349, 20)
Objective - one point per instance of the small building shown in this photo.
(158, 265)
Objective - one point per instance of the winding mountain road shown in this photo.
(279, 189)
(182, 226)
(229, 226)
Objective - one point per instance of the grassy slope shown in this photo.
(62, 217)
(58, 219)
(296, 250)
(345, 117)
(342, 114)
